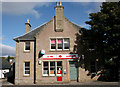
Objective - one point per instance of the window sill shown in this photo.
(26, 51)
(45, 75)
(48, 76)
(59, 50)
(26, 75)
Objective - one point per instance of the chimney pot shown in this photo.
(60, 3)
(57, 3)
(28, 21)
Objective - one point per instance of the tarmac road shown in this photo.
(71, 84)
(61, 86)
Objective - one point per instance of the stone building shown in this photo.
(48, 54)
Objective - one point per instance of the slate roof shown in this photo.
(4, 64)
(31, 35)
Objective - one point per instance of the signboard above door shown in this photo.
(60, 56)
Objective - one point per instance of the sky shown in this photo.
(15, 15)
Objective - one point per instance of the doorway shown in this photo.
(73, 70)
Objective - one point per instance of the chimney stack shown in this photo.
(59, 17)
(27, 26)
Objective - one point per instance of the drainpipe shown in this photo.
(34, 60)
(18, 62)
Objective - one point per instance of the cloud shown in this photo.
(96, 8)
(1, 38)
(85, 26)
(6, 50)
(95, 5)
(89, 11)
(22, 8)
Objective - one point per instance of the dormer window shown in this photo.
(27, 46)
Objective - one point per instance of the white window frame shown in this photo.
(50, 44)
(25, 46)
(43, 68)
(50, 70)
(56, 69)
(25, 67)
(64, 44)
(57, 44)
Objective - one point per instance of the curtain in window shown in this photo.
(52, 41)
(59, 41)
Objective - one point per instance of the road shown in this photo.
(71, 84)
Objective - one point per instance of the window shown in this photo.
(27, 68)
(59, 68)
(45, 68)
(52, 68)
(53, 44)
(27, 45)
(60, 44)
(66, 44)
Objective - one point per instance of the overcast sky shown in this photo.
(15, 14)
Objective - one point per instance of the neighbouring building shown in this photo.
(48, 54)
(4, 68)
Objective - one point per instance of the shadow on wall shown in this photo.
(89, 59)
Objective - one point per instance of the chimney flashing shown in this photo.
(27, 24)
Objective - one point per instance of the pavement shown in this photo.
(5, 83)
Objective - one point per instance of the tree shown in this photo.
(105, 31)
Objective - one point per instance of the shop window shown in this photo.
(53, 44)
(52, 68)
(27, 68)
(66, 44)
(27, 45)
(59, 44)
(59, 68)
(45, 68)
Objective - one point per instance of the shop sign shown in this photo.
(61, 56)
(42, 51)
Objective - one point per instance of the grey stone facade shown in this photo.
(57, 27)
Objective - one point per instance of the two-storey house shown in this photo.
(47, 54)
